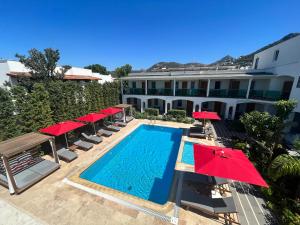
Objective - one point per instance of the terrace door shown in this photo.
(189, 108)
(286, 89)
(217, 107)
(184, 88)
(203, 87)
(234, 85)
(143, 87)
(168, 90)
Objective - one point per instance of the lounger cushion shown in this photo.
(114, 128)
(83, 144)
(105, 132)
(66, 154)
(3, 178)
(122, 124)
(26, 178)
(129, 118)
(45, 167)
(203, 179)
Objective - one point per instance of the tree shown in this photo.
(42, 66)
(97, 68)
(284, 108)
(284, 165)
(39, 114)
(123, 70)
(8, 123)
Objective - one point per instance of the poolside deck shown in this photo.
(51, 201)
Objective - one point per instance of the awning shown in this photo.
(111, 111)
(61, 128)
(91, 117)
(226, 163)
(206, 115)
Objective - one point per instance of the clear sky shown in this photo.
(143, 32)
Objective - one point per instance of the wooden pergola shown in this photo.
(124, 107)
(18, 145)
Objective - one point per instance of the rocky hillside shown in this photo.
(227, 62)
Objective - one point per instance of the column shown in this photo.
(207, 90)
(146, 87)
(166, 107)
(12, 187)
(142, 106)
(53, 148)
(194, 106)
(174, 87)
(248, 89)
(227, 111)
(233, 111)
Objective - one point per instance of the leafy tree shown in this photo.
(284, 165)
(8, 123)
(284, 108)
(97, 68)
(123, 70)
(42, 66)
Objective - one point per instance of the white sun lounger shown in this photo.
(83, 145)
(66, 154)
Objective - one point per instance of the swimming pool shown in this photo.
(142, 164)
(188, 153)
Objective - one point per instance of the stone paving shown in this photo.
(53, 202)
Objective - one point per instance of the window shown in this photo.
(193, 85)
(156, 102)
(252, 85)
(298, 83)
(256, 63)
(153, 85)
(133, 84)
(177, 84)
(217, 84)
(275, 56)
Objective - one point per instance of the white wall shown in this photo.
(3, 70)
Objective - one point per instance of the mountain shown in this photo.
(227, 62)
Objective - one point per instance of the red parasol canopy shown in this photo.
(226, 163)
(206, 115)
(61, 128)
(111, 111)
(91, 117)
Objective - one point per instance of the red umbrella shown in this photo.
(206, 115)
(111, 111)
(226, 163)
(61, 128)
(92, 118)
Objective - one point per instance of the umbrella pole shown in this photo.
(94, 128)
(66, 140)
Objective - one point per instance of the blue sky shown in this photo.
(141, 33)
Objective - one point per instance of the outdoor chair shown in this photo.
(112, 128)
(128, 119)
(84, 145)
(92, 138)
(118, 123)
(197, 132)
(103, 132)
(221, 207)
(66, 154)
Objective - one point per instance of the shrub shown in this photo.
(152, 111)
(177, 113)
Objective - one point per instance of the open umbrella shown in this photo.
(111, 111)
(226, 163)
(206, 115)
(92, 118)
(62, 128)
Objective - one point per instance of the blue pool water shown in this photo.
(188, 153)
(142, 164)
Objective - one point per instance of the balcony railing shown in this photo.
(265, 95)
(134, 91)
(191, 92)
(160, 91)
(224, 93)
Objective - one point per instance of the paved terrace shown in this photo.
(51, 201)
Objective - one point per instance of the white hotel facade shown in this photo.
(274, 76)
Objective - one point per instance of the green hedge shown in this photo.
(152, 111)
(177, 113)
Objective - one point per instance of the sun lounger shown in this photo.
(213, 206)
(121, 124)
(197, 132)
(112, 128)
(103, 132)
(83, 145)
(92, 138)
(66, 154)
(203, 179)
(128, 119)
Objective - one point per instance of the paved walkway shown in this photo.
(10, 215)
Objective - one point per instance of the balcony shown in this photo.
(134, 91)
(224, 93)
(191, 92)
(160, 91)
(265, 95)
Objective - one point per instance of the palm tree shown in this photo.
(284, 165)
